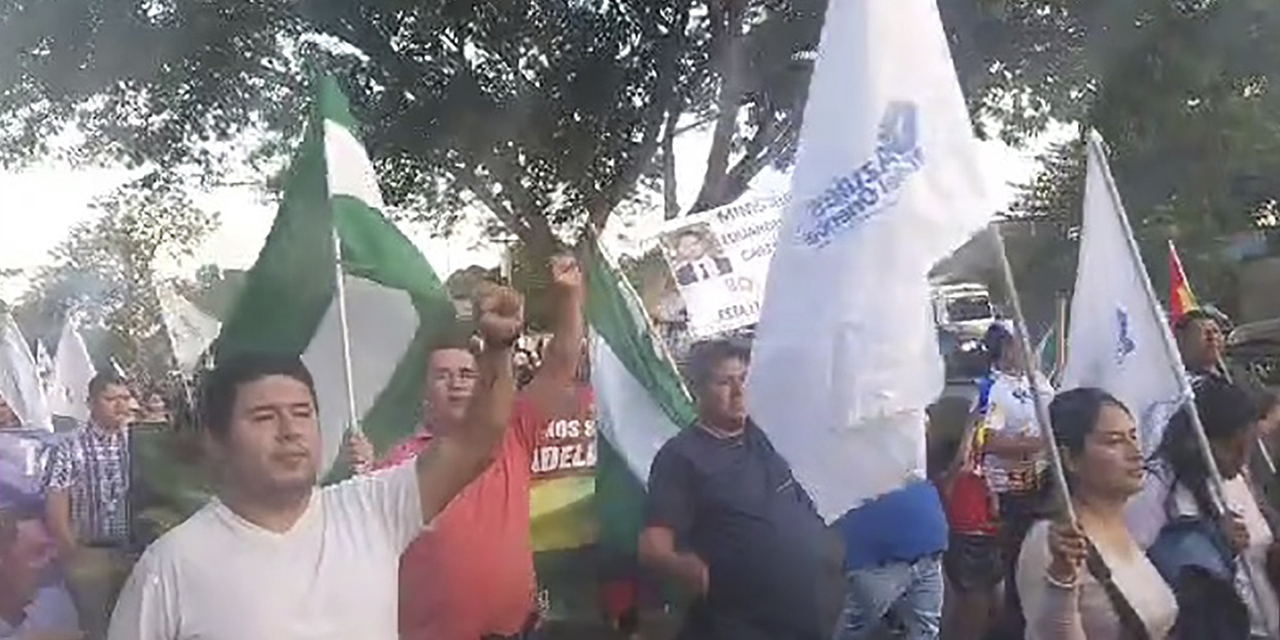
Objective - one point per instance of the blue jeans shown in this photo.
(911, 590)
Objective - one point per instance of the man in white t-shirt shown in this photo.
(275, 558)
(1014, 457)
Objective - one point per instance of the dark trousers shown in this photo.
(1017, 513)
(706, 623)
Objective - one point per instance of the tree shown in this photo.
(104, 272)
(215, 290)
(545, 114)
(1183, 93)
(549, 114)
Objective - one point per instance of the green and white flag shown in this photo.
(395, 301)
(640, 400)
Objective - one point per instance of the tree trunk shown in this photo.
(670, 199)
(732, 68)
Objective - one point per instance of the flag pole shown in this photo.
(1262, 444)
(593, 236)
(1032, 367)
(340, 287)
(1060, 340)
(1216, 483)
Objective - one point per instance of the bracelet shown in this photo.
(1056, 583)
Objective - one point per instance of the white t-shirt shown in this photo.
(1240, 499)
(1148, 513)
(333, 576)
(50, 611)
(1011, 409)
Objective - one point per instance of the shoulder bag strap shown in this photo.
(1131, 624)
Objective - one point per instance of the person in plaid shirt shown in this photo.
(86, 503)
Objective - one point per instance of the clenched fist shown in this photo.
(566, 275)
(1068, 548)
(359, 452)
(499, 313)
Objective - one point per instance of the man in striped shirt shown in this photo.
(86, 502)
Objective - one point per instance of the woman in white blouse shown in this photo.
(1089, 580)
(1179, 489)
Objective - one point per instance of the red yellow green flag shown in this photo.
(1181, 300)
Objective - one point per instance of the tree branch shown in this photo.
(602, 203)
(728, 21)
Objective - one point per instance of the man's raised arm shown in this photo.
(552, 390)
(455, 458)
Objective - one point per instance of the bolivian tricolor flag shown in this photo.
(1181, 300)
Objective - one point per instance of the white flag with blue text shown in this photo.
(887, 183)
(1119, 339)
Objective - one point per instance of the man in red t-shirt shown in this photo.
(972, 562)
(470, 574)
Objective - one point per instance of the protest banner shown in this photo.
(720, 259)
(22, 456)
(562, 522)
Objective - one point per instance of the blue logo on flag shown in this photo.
(874, 186)
(1124, 341)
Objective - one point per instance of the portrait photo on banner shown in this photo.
(695, 254)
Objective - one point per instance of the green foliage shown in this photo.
(215, 290)
(104, 272)
(1184, 94)
(544, 113)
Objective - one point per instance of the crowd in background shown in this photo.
(982, 548)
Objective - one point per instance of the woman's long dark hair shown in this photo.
(1226, 410)
(1073, 415)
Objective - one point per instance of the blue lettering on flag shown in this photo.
(874, 186)
(1124, 341)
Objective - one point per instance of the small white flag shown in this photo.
(887, 183)
(19, 382)
(1119, 340)
(191, 330)
(72, 371)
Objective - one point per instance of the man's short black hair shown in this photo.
(220, 385)
(455, 337)
(1195, 315)
(102, 380)
(705, 357)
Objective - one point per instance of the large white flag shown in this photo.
(72, 371)
(1119, 340)
(19, 382)
(191, 330)
(887, 182)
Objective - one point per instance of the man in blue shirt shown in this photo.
(727, 520)
(893, 562)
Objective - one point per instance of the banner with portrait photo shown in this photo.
(719, 260)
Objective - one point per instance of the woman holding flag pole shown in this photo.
(1099, 434)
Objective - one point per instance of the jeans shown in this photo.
(911, 590)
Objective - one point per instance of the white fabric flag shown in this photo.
(1119, 339)
(72, 371)
(191, 330)
(44, 366)
(887, 182)
(19, 381)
